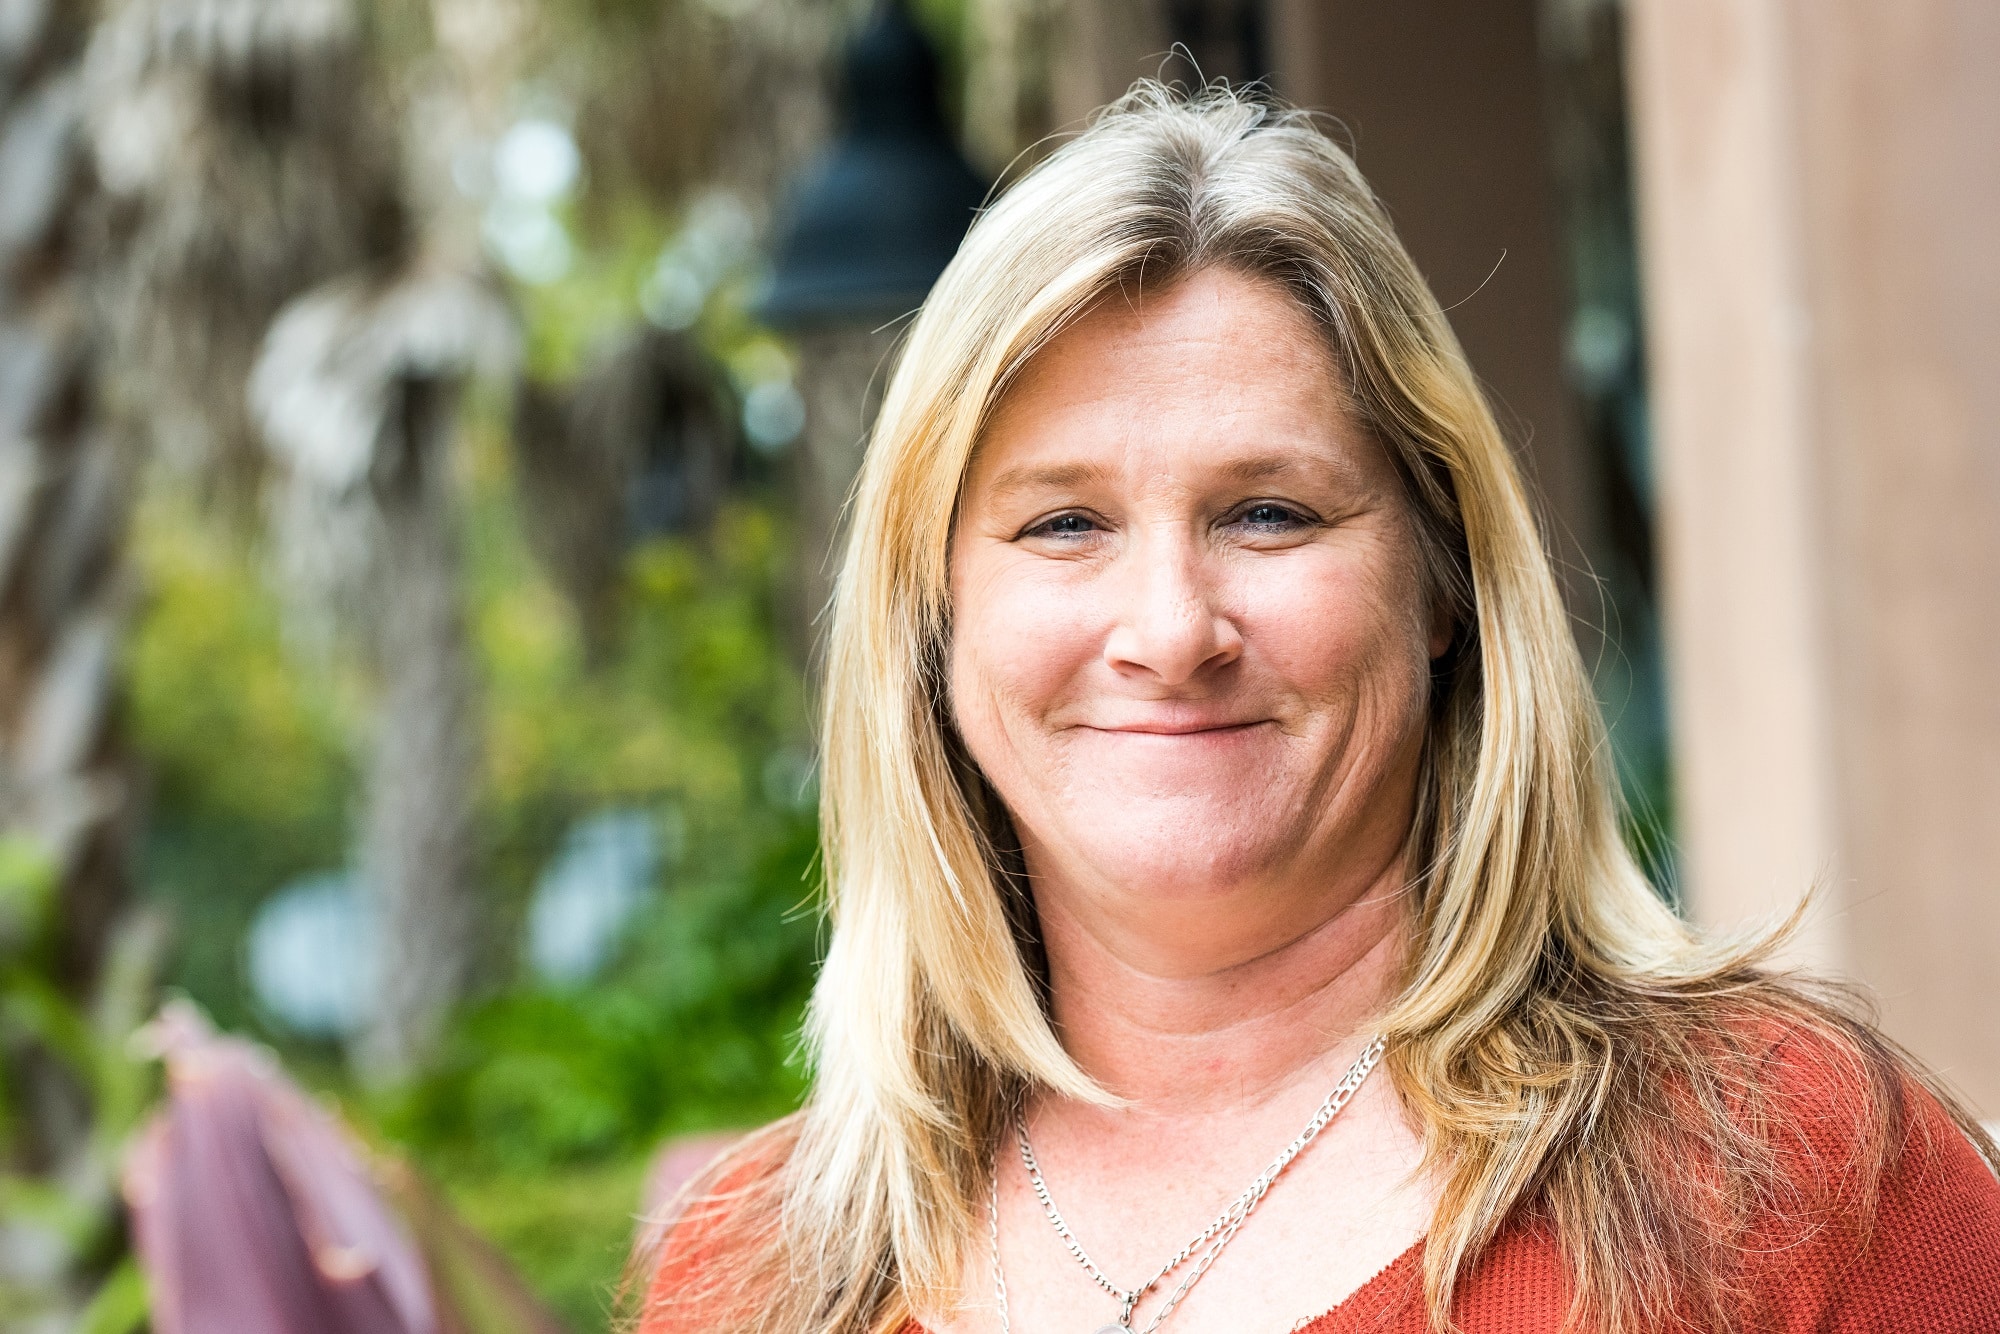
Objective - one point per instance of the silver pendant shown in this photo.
(1115, 1329)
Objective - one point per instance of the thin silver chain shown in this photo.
(1215, 1236)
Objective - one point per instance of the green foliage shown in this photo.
(249, 745)
(546, 1098)
(85, 1044)
(252, 745)
(120, 1306)
(1648, 824)
(71, 1091)
(27, 888)
(235, 728)
(571, 1229)
(599, 296)
(545, 1102)
(697, 698)
(695, 1030)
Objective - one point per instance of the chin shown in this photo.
(1184, 852)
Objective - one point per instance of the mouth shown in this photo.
(1178, 728)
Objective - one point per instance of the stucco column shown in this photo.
(1819, 200)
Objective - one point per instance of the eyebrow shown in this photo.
(1264, 467)
(1055, 476)
(1258, 468)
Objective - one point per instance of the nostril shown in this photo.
(1171, 626)
(1173, 649)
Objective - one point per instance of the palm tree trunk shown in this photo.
(417, 834)
(66, 786)
(65, 779)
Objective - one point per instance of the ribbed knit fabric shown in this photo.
(1929, 1264)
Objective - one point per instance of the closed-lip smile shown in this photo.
(1166, 727)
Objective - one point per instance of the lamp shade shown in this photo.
(872, 222)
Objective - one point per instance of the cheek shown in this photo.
(1020, 641)
(1351, 629)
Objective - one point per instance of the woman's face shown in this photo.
(1190, 644)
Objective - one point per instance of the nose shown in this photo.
(1170, 626)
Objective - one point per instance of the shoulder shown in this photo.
(707, 1243)
(1886, 1214)
(1845, 1110)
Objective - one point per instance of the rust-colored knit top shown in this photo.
(1929, 1264)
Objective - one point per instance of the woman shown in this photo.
(1203, 731)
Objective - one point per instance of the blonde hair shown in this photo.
(1567, 1045)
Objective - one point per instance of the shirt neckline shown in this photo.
(1321, 1323)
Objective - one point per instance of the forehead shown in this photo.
(1214, 364)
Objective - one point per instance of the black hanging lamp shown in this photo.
(874, 220)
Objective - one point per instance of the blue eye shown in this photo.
(1269, 516)
(1066, 525)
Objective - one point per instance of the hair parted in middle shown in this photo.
(1566, 1044)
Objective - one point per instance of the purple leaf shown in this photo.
(252, 1210)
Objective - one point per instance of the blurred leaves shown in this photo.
(120, 1306)
(269, 749)
(27, 885)
(571, 1229)
(70, 1093)
(697, 710)
(696, 1030)
(694, 697)
(477, 1291)
(249, 744)
(655, 673)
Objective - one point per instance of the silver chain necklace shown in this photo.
(1214, 1237)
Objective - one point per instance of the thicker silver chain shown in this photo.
(1214, 1237)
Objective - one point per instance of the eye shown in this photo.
(1071, 524)
(1270, 515)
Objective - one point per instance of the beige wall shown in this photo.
(1820, 198)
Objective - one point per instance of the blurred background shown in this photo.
(424, 423)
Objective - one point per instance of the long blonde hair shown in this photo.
(1570, 1049)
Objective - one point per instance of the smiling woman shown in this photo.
(1203, 730)
(1231, 705)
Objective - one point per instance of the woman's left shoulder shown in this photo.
(1890, 1215)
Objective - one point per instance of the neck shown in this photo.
(1218, 1037)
